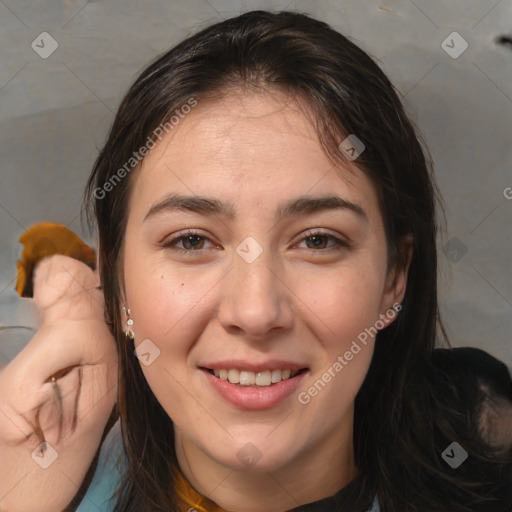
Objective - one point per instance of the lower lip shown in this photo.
(254, 398)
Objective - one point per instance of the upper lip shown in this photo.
(273, 364)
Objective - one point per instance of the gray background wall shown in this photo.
(54, 113)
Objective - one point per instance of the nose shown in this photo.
(256, 300)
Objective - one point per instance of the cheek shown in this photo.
(345, 310)
(161, 295)
(171, 308)
(342, 303)
(167, 308)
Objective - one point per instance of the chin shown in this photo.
(257, 455)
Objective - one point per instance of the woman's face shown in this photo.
(284, 267)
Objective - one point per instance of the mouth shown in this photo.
(254, 387)
(261, 379)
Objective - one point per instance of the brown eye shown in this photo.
(191, 242)
(317, 241)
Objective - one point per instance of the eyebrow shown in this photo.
(299, 206)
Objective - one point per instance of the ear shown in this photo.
(396, 283)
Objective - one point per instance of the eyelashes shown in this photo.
(338, 243)
(172, 244)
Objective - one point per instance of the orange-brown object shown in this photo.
(43, 240)
(189, 499)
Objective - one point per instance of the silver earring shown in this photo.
(129, 323)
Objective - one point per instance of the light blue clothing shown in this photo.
(108, 473)
(375, 506)
(107, 476)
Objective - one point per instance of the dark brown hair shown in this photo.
(347, 93)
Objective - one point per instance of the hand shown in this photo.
(57, 394)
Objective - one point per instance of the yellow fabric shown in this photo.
(189, 498)
(43, 240)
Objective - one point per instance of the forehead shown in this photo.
(247, 146)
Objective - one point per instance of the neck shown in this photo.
(317, 472)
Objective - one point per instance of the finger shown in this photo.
(60, 276)
(63, 345)
(83, 394)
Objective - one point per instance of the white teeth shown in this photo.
(263, 378)
(234, 376)
(247, 378)
(276, 376)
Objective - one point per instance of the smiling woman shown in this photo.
(277, 320)
(284, 217)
